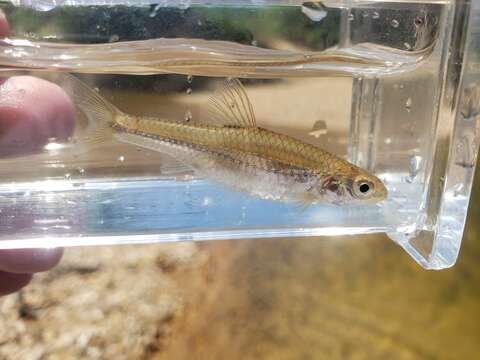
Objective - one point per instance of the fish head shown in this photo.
(354, 187)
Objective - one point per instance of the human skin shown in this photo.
(32, 110)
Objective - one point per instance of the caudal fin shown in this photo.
(99, 112)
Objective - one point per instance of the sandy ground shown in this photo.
(319, 298)
(115, 302)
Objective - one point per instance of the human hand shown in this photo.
(32, 110)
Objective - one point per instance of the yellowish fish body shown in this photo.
(235, 151)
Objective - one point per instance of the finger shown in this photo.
(20, 261)
(10, 283)
(4, 27)
(32, 111)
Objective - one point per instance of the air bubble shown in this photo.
(388, 141)
(81, 170)
(189, 91)
(319, 129)
(375, 15)
(395, 23)
(254, 43)
(121, 158)
(188, 116)
(408, 104)
(68, 176)
(407, 46)
(113, 38)
(351, 17)
(189, 79)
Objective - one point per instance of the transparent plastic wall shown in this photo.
(392, 87)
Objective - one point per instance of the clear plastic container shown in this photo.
(391, 86)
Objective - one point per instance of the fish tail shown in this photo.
(98, 111)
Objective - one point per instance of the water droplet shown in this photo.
(154, 11)
(408, 104)
(188, 116)
(407, 46)
(351, 17)
(319, 129)
(458, 189)
(113, 38)
(388, 141)
(189, 91)
(419, 21)
(189, 79)
(375, 15)
(414, 167)
(395, 23)
(121, 158)
(313, 11)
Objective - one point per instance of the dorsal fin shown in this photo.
(230, 105)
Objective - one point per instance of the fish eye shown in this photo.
(363, 188)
